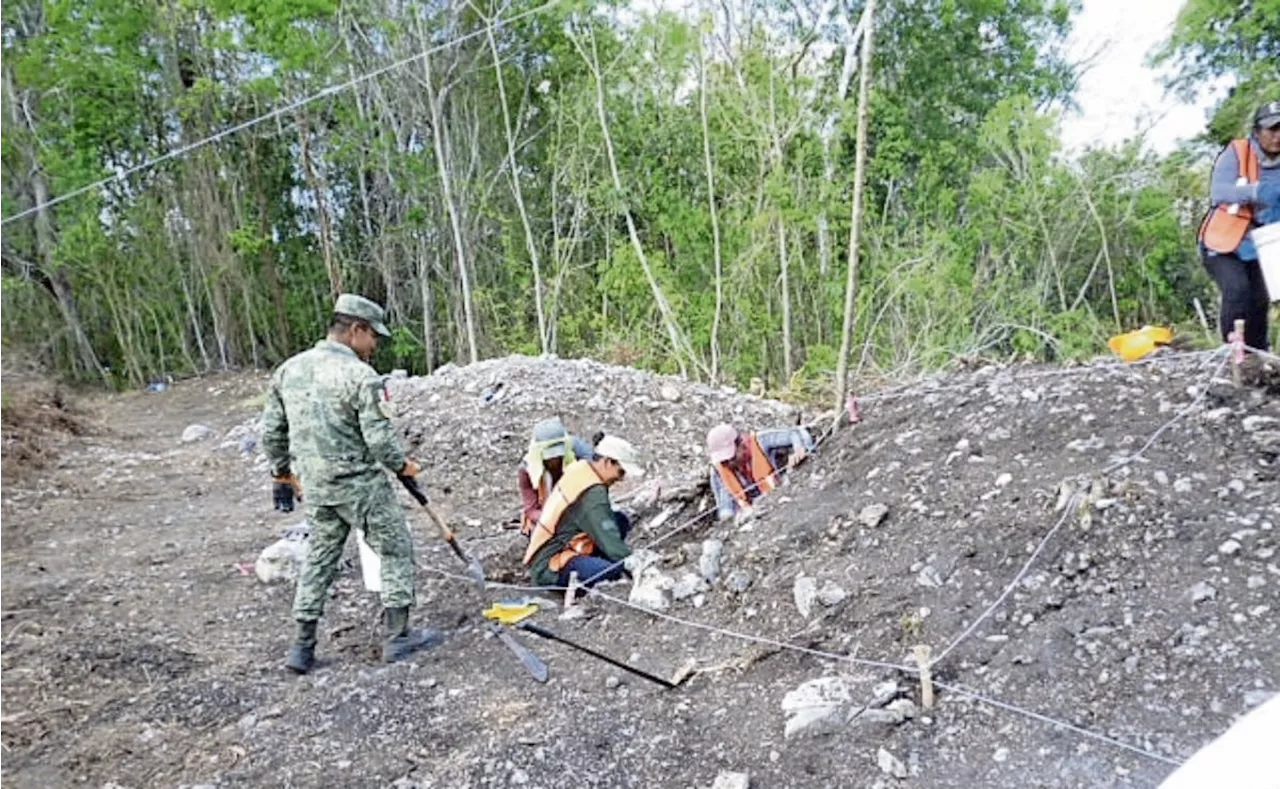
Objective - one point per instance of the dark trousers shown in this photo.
(593, 569)
(1244, 295)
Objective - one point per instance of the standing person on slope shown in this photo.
(1244, 193)
(325, 412)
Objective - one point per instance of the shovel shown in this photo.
(509, 614)
(537, 630)
(473, 566)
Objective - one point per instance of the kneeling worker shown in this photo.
(551, 450)
(745, 466)
(578, 529)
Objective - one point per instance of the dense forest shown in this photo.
(187, 185)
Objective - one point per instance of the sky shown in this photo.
(1119, 96)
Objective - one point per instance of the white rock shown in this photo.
(670, 392)
(890, 764)
(1001, 755)
(1229, 548)
(873, 515)
(640, 559)
(282, 560)
(1004, 479)
(817, 706)
(1182, 485)
(1161, 477)
(884, 692)
(805, 592)
(1086, 444)
(651, 589)
(1203, 591)
(689, 585)
(738, 581)
(1256, 582)
(728, 780)
(929, 577)
(1253, 424)
(710, 560)
(831, 594)
(195, 433)
(904, 707)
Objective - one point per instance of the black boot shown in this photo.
(302, 655)
(401, 641)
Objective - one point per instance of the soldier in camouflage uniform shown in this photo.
(326, 421)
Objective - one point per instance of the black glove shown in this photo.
(283, 491)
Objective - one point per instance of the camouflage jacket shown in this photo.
(326, 420)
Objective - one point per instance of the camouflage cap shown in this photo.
(359, 307)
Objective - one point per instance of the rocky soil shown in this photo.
(140, 648)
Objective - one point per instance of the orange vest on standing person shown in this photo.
(762, 470)
(1222, 231)
(578, 477)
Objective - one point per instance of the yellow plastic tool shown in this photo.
(510, 613)
(1135, 345)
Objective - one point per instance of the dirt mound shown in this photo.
(1122, 517)
(1091, 554)
(37, 416)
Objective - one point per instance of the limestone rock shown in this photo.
(195, 433)
(731, 780)
(873, 515)
(805, 592)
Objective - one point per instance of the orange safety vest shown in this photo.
(766, 477)
(1222, 231)
(578, 477)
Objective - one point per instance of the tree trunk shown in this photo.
(855, 228)
(513, 171)
(827, 130)
(679, 345)
(322, 212)
(57, 281)
(776, 133)
(715, 219)
(443, 166)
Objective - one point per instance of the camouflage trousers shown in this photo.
(380, 516)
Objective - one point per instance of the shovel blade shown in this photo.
(532, 663)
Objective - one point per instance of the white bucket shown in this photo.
(370, 564)
(1267, 240)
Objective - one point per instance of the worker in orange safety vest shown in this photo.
(1244, 194)
(745, 466)
(578, 531)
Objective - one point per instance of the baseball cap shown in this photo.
(622, 451)
(359, 307)
(722, 443)
(1268, 115)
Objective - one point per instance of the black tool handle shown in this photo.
(415, 490)
(538, 630)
